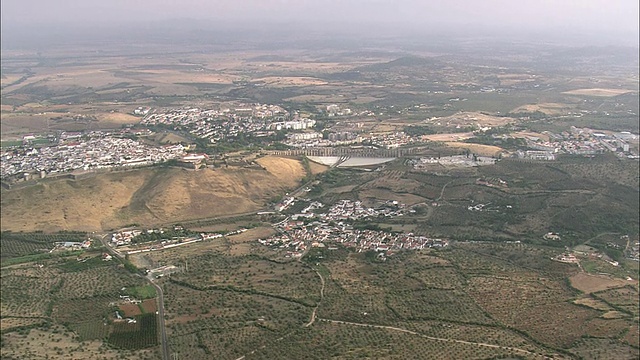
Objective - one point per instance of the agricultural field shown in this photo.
(578, 198)
(599, 92)
(57, 342)
(142, 334)
(469, 299)
(227, 321)
(500, 289)
(340, 339)
(141, 292)
(72, 301)
(251, 274)
(14, 245)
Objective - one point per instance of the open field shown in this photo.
(594, 283)
(130, 310)
(464, 119)
(529, 134)
(170, 138)
(118, 118)
(382, 195)
(484, 150)
(287, 171)
(290, 81)
(546, 108)
(317, 168)
(449, 137)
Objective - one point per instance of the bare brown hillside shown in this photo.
(146, 197)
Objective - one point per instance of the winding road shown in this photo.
(314, 317)
(444, 187)
(315, 309)
(429, 337)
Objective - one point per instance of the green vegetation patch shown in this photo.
(141, 292)
(16, 244)
(74, 265)
(40, 257)
(91, 330)
(142, 334)
(10, 143)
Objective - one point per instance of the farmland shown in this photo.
(495, 292)
(21, 244)
(71, 300)
(535, 257)
(582, 199)
(470, 297)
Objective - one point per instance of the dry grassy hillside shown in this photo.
(146, 197)
(288, 171)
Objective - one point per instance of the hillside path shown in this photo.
(315, 309)
(428, 337)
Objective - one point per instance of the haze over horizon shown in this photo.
(583, 22)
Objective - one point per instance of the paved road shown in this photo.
(163, 330)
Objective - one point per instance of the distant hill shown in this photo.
(404, 62)
(406, 65)
(270, 57)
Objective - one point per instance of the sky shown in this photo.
(588, 17)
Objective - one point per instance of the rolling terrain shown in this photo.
(146, 196)
(538, 258)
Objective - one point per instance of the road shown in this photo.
(442, 191)
(160, 296)
(163, 334)
(163, 329)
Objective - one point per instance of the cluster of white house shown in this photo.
(89, 154)
(223, 123)
(580, 141)
(295, 237)
(456, 160)
(71, 245)
(124, 237)
(383, 140)
(355, 210)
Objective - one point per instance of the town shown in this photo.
(296, 238)
(91, 151)
(265, 125)
(579, 141)
(336, 225)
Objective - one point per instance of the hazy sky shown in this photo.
(575, 16)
